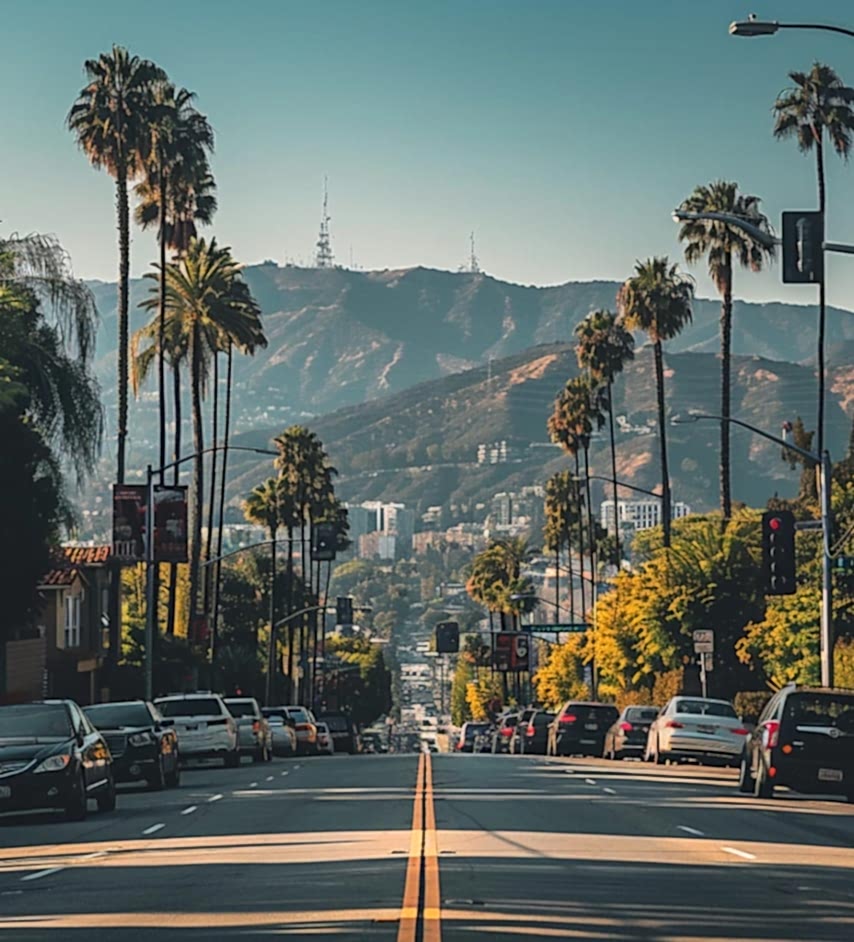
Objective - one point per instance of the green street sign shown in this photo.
(844, 563)
(572, 626)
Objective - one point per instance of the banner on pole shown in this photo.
(170, 524)
(129, 502)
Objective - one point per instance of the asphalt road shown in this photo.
(448, 848)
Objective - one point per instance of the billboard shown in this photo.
(510, 651)
(170, 524)
(129, 522)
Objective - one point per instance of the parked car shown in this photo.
(804, 739)
(344, 733)
(51, 756)
(504, 726)
(253, 731)
(483, 739)
(305, 727)
(628, 734)
(531, 737)
(143, 747)
(468, 735)
(579, 728)
(204, 725)
(282, 731)
(696, 728)
(525, 715)
(325, 742)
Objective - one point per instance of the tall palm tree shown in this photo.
(205, 292)
(604, 347)
(723, 245)
(818, 104)
(561, 502)
(657, 300)
(110, 119)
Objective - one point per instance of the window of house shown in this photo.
(72, 621)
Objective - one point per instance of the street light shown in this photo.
(766, 239)
(823, 462)
(753, 27)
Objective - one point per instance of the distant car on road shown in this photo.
(283, 734)
(696, 728)
(579, 728)
(206, 729)
(531, 736)
(51, 756)
(253, 731)
(325, 743)
(142, 745)
(628, 734)
(344, 733)
(513, 746)
(469, 732)
(305, 727)
(504, 726)
(804, 739)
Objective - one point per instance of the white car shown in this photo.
(696, 728)
(325, 743)
(205, 727)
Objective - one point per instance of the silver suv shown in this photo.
(253, 730)
(205, 727)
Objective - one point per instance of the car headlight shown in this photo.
(140, 739)
(53, 763)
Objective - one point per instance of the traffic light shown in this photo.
(803, 247)
(778, 552)
(324, 540)
(447, 637)
(344, 610)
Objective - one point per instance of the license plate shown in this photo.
(830, 775)
(707, 729)
(587, 742)
(5, 791)
(592, 726)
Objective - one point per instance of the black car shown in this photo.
(143, 745)
(531, 736)
(628, 734)
(469, 732)
(804, 739)
(514, 747)
(345, 736)
(51, 756)
(580, 727)
(504, 726)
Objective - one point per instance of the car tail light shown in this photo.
(770, 733)
(674, 724)
(772, 772)
(741, 731)
(506, 730)
(626, 727)
(787, 748)
(531, 729)
(256, 726)
(568, 718)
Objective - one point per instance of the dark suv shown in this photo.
(580, 727)
(804, 739)
(531, 736)
(345, 735)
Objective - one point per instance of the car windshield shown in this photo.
(641, 714)
(704, 708)
(299, 715)
(239, 708)
(821, 709)
(191, 706)
(35, 721)
(472, 729)
(338, 724)
(118, 715)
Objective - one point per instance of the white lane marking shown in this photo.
(739, 853)
(296, 767)
(214, 798)
(269, 778)
(41, 873)
(609, 791)
(284, 773)
(687, 830)
(253, 784)
(154, 829)
(189, 810)
(590, 781)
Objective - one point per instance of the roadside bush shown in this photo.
(750, 703)
(667, 685)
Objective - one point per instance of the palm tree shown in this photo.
(657, 300)
(723, 244)
(818, 104)
(110, 119)
(205, 292)
(561, 502)
(604, 347)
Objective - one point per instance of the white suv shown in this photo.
(204, 726)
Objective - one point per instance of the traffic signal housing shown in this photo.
(447, 637)
(324, 541)
(344, 611)
(778, 552)
(803, 247)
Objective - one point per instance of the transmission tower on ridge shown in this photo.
(474, 265)
(324, 258)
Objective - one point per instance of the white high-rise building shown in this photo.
(639, 514)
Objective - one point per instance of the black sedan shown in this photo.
(143, 745)
(51, 756)
(627, 736)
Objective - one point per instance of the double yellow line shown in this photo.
(422, 902)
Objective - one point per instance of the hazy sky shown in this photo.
(562, 131)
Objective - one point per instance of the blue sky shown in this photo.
(562, 131)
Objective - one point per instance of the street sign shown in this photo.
(510, 651)
(571, 626)
(704, 641)
(708, 661)
(844, 563)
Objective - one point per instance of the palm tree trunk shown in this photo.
(198, 466)
(212, 498)
(666, 508)
(580, 509)
(271, 644)
(819, 156)
(557, 579)
(161, 326)
(726, 353)
(225, 434)
(291, 625)
(570, 573)
(176, 477)
(122, 353)
(617, 552)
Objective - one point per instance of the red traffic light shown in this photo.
(775, 523)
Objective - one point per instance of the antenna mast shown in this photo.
(324, 258)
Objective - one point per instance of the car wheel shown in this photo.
(107, 797)
(763, 788)
(173, 778)
(77, 806)
(232, 759)
(745, 779)
(157, 780)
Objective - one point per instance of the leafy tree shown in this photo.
(463, 677)
(657, 300)
(562, 676)
(723, 244)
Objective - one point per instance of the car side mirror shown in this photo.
(80, 735)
